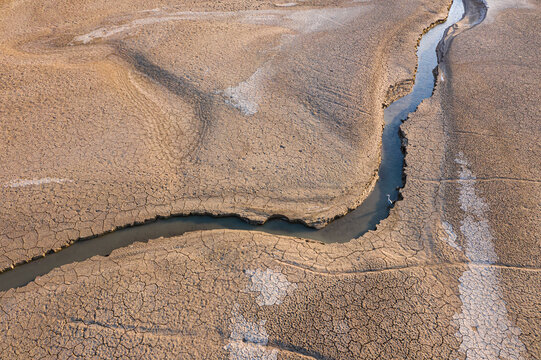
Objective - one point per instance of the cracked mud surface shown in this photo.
(194, 295)
(139, 110)
(454, 272)
(493, 133)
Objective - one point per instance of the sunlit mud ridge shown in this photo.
(304, 21)
(364, 218)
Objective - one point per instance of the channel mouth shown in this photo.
(374, 208)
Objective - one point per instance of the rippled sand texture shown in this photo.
(114, 113)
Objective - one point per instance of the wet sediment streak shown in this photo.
(374, 209)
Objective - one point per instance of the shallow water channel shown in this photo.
(375, 207)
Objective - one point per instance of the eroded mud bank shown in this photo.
(375, 208)
(171, 127)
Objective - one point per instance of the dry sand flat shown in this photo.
(442, 278)
(116, 114)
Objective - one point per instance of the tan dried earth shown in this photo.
(113, 115)
(116, 113)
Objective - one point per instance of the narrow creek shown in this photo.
(374, 208)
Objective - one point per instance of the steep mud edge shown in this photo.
(405, 86)
(63, 208)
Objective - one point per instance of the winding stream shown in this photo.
(374, 209)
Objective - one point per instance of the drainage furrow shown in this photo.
(375, 208)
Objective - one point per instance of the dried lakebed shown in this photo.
(374, 209)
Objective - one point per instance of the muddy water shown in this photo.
(374, 209)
